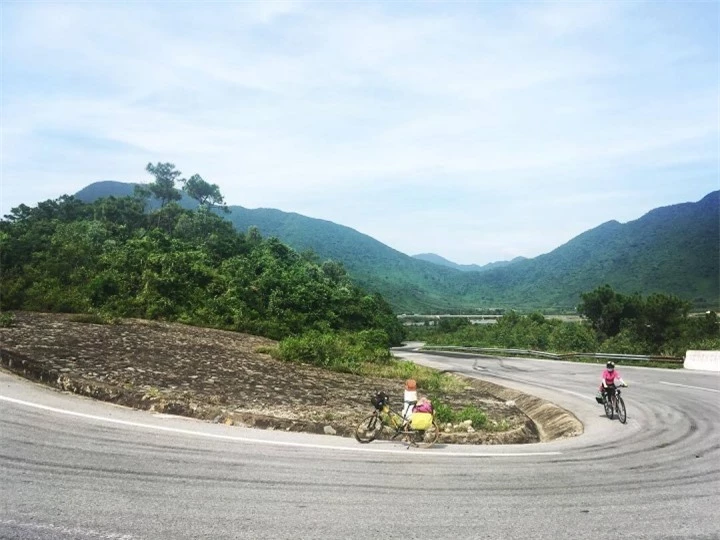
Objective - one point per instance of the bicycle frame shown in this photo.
(387, 417)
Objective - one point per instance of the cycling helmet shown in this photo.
(610, 366)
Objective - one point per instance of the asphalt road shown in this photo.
(74, 468)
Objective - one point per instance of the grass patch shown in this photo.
(428, 380)
(446, 415)
(344, 352)
(494, 425)
(152, 393)
(635, 363)
(475, 415)
(7, 319)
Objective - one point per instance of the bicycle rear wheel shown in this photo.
(428, 437)
(368, 430)
(620, 408)
(608, 407)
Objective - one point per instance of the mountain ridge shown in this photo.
(442, 261)
(671, 249)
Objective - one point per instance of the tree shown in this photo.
(662, 320)
(164, 186)
(604, 308)
(207, 195)
(253, 235)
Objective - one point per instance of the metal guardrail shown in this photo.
(568, 356)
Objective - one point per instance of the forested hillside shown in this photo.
(673, 250)
(113, 258)
(408, 284)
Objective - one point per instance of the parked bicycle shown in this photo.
(421, 430)
(614, 404)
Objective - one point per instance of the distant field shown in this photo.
(473, 318)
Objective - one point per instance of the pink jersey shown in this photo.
(611, 376)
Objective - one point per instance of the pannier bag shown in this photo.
(421, 420)
(424, 405)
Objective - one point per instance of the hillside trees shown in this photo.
(516, 331)
(112, 257)
(658, 324)
(651, 325)
(163, 188)
(207, 195)
(606, 310)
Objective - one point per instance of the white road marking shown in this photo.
(693, 387)
(59, 529)
(577, 394)
(404, 451)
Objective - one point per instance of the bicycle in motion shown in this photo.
(614, 404)
(419, 431)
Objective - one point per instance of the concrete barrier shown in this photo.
(702, 360)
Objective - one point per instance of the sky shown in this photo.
(479, 131)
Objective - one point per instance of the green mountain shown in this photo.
(442, 261)
(674, 249)
(408, 284)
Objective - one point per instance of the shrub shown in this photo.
(443, 413)
(446, 415)
(344, 352)
(7, 319)
(475, 415)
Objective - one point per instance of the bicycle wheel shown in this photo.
(620, 408)
(368, 430)
(428, 437)
(608, 407)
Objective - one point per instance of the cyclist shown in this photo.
(609, 377)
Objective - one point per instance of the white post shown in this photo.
(410, 399)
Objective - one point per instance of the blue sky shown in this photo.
(479, 131)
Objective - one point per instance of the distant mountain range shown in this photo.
(437, 259)
(673, 249)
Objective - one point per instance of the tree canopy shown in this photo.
(111, 256)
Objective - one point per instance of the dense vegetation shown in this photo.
(115, 258)
(658, 324)
(670, 250)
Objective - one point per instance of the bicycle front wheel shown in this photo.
(608, 407)
(428, 437)
(368, 430)
(620, 408)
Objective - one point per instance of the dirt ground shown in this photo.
(221, 376)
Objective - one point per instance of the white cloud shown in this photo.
(285, 104)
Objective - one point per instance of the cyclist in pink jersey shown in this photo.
(610, 379)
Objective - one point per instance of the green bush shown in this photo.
(626, 342)
(339, 351)
(7, 319)
(444, 414)
(478, 417)
(432, 381)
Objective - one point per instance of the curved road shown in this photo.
(74, 468)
